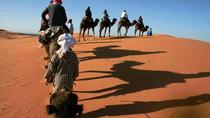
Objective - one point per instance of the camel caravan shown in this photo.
(62, 64)
(88, 23)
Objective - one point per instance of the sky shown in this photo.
(180, 18)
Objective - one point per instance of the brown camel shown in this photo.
(141, 28)
(86, 24)
(126, 24)
(106, 24)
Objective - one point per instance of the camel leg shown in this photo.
(139, 32)
(83, 34)
(135, 32)
(105, 31)
(109, 31)
(119, 31)
(100, 31)
(93, 29)
(126, 31)
(88, 33)
(80, 32)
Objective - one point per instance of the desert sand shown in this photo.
(135, 77)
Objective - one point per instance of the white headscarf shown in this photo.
(66, 41)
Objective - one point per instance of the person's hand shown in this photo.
(40, 46)
(42, 33)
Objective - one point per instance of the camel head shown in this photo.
(126, 64)
(134, 22)
(64, 105)
(146, 27)
(113, 21)
(96, 21)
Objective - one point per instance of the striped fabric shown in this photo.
(63, 71)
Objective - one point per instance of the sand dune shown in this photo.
(137, 77)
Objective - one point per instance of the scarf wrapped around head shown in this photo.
(56, 1)
(66, 41)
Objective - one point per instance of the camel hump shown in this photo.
(125, 20)
(114, 19)
(85, 18)
(106, 20)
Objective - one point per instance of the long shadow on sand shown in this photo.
(97, 42)
(107, 52)
(122, 37)
(138, 80)
(140, 107)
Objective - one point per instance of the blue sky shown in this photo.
(181, 18)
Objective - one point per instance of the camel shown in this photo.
(126, 24)
(64, 104)
(86, 24)
(106, 24)
(141, 28)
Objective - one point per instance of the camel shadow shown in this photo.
(97, 42)
(107, 52)
(138, 80)
(122, 37)
(140, 107)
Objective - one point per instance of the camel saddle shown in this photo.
(86, 19)
(105, 19)
(140, 24)
(51, 34)
(124, 19)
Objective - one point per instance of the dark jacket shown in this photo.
(88, 13)
(106, 14)
(57, 15)
(140, 20)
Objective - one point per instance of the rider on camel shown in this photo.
(57, 14)
(64, 66)
(57, 19)
(106, 16)
(88, 14)
(140, 20)
(124, 15)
